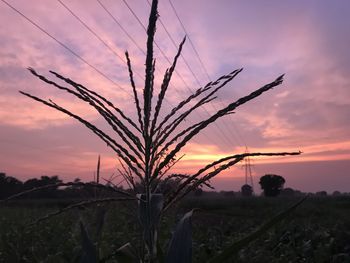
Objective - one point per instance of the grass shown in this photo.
(318, 231)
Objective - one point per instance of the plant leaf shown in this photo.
(99, 222)
(160, 254)
(126, 254)
(150, 225)
(227, 253)
(156, 208)
(89, 253)
(180, 248)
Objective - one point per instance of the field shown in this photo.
(318, 231)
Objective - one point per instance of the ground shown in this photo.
(317, 231)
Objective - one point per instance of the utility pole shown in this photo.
(248, 171)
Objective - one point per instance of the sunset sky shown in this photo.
(307, 40)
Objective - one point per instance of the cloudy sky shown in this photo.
(306, 40)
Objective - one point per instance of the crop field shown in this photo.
(317, 231)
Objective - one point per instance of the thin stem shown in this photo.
(214, 117)
(138, 108)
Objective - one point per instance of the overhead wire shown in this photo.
(91, 31)
(184, 59)
(133, 40)
(189, 39)
(95, 34)
(227, 138)
(63, 45)
(121, 27)
(237, 134)
(187, 64)
(67, 47)
(175, 45)
(101, 40)
(157, 45)
(224, 136)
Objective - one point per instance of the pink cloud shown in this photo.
(305, 41)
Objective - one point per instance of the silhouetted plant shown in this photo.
(272, 184)
(288, 192)
(150, 145)
(246, 190)
(321, 193)
(9, 185)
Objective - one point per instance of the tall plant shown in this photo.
(150, 146)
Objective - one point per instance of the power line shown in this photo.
(188, 66)
(130, 37)
(63, 45)
(160, 49)
(195, 50)
(203, 67)
(185, 61)
(175, 45)
(133, 40)
(163, 54)
(143, 26)
(100, 39)
(156, 44)
(122, 28)
(237, 134)
(94, 33)
(91, 31)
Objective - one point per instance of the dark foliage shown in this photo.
(9, 185)
(246, 190)
(43, 181)
(272, 184)
(50, 187)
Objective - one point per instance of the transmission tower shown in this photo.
(248, 171)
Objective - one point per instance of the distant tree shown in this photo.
(246, 190)
(43, 181)
(168, 185)
(288, 192)
(228, 193)
(336, 193)
(299, 193)
(9, 186)
(272, 184)
(76, 191)
(321, 193)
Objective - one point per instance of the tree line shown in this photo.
(272, 185)
(10, 186)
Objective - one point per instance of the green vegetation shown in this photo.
(318, 231)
